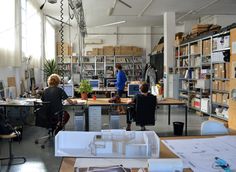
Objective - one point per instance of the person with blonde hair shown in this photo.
(55, 95)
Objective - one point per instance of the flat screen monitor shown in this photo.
(154, 90)
(69, 89)
(94, 83)
(110, 82)
(133, 89)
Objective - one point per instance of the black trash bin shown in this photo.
(178, 128)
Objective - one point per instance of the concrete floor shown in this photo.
(43, 160)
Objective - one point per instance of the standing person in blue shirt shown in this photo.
(120, 80)
(120, 85)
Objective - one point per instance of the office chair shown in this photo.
(11, 157)
(45, 119)
(144, 111)
(213, 128)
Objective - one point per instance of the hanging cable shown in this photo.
(62, 43)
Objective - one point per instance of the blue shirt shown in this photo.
(120, 80)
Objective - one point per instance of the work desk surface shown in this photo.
(67, 164)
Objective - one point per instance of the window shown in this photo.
(49, 41)
(8, 34)
(31, 32)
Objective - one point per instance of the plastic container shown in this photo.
(178, 128)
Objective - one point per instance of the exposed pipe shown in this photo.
(100, 34)
(57, 20)
(145, 8)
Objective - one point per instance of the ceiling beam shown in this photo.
(145, 8)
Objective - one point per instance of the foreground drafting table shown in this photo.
(67, 164)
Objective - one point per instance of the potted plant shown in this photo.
(50, 67)
(84, 89)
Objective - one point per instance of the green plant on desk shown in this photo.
(84, 89)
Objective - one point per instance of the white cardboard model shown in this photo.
(107, 143)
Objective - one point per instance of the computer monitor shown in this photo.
(69, 89)
(133, 89)
(110, 82)
(154, 90)
(94, 83)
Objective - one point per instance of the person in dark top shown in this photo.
(55, 95)
(143, 92)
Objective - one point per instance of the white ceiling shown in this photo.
(96, 11)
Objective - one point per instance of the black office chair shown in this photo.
(143, 113)
(45, 119)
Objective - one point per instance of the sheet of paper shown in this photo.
(199, 154)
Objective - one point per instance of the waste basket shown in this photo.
(178, 128)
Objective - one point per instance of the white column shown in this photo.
(148, 42)
(169, 59)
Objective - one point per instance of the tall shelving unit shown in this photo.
(220, 73)
(70, 64)
(104, 66)
(203, 73)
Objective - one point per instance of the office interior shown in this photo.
(184, 50)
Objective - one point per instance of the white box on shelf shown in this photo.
(203, 83)
(205, 105)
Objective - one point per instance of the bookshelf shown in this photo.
(204, 73)
(104, 66)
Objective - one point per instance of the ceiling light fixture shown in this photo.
(111, 24)
(145, 8)
(121, 1)
(194, 12)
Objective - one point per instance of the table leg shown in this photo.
(168, 114)
(186, 120)
(86, 118)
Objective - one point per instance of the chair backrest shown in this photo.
(42, 113)
(213, 128)
(145, 107)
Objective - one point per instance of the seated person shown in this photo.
(143, 92)
(55, 95)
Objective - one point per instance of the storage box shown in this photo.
(203, 83)
(215, 85)
(100, 51)
(126, 50)
(117, 50)
(95, 51)
(219, 98)
(137, 51)
(227, 70)
(65, 48)
(214, 97)
(225, 98)
(205, 105)
(194, 49)
(108, 50)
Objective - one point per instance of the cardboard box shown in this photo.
(117, 50)
(11, 81)
(225, 98)
(215, 85)
(126, 50)
(108, 50)
(220, 85)
(214, 97)
(100, 51)
(206, 47)
(226, 88)
(216, 71)
(137, 51)
(227, 70)
(194, 49)
(232, 114)
(219, 97)
(221, 70)
(65, 49)
(95, 51)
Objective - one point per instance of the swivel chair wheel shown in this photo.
(42, 147)
(36, 142)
